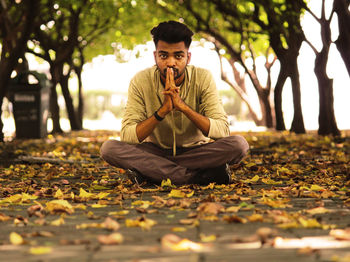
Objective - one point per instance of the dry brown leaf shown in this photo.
(112, 239)
(211, 208)
(4, 217)
(110, 224)
(234, 219)
(36, 210)
(340, 234)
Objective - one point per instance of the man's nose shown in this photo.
(171, 61)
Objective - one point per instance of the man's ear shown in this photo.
(154, 54)
(188, 57)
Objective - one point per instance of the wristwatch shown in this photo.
(158, 117)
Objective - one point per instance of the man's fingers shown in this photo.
(169, 82)
(168, 92)
(171, 76)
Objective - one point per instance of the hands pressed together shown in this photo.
(172, 99)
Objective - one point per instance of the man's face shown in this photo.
(174, 56)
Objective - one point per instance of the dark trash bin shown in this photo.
(30, 104)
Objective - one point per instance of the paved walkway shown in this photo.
(56, 209)
(218, 233)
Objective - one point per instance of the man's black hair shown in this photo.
(172, 32)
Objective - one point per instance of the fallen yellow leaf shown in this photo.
(102, 195)
(59, 206)
(179, 194)
(275, 203)
(255, 218)
(175, 243)
(59, 194)
(309, 223)
(316, 188)
(40, 250)
(233, 209)
(254, 179)
(86, 195)
(209, 238)
(166, 183)
(16, 239)
(58, 222)
(141, 203)
(18, 198)
(142, 222)
(179, 229)
(270, 181)
(119, 213)
(98, 206)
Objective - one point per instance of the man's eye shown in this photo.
(163, 56)
(179, 56)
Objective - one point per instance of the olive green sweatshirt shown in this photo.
(198, 91)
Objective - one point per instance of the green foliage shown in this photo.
(136, 19)
(228, 20)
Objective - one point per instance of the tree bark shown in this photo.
(54, 107)
(80, 112)
(341, 7)
(78, 68)
(326, 119)
(287, 54)
(74, 123)
(282, 77)
(265, 104)
(298, 121)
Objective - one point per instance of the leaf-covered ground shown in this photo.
(58, 199)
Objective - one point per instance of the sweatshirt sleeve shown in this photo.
(211, 107)
(134, 113)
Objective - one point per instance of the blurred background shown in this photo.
(278, 65)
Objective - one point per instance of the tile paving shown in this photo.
(233, 241)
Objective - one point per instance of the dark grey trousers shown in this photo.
(157, 164)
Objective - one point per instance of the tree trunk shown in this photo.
(287, 57)
(54, 107)
(266, 107)
(74, 123)
(341, 7)
(326, 118)
(78, 70)
(289, 68)
(298, 121)
(81, 100)
(282, 77)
